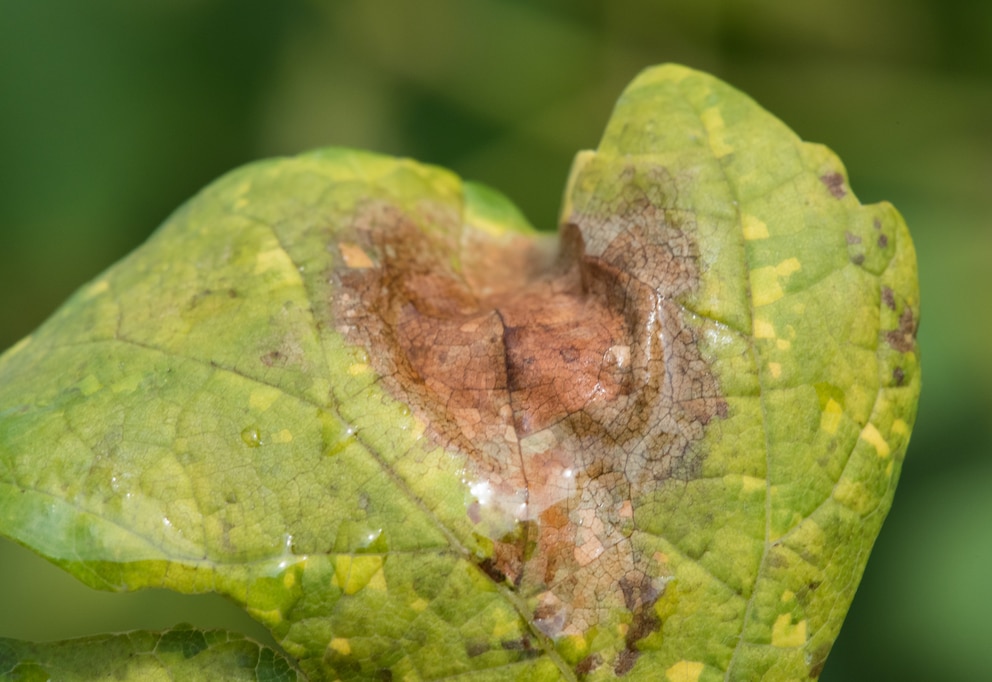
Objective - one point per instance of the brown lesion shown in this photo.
(903, 338)
(834, 183)
(572, 381)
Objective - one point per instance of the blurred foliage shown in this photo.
(114, 112)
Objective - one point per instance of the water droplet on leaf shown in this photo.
(251, 436)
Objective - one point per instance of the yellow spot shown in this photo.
(575, 647)
(273, 259)
(854, 496)
(341, 645)
(354, 256)
(357, 368)
(763, 329)
(378, 582)
(90, 385)
(874, 438)
(752, 484)
(684, 671)
(262, 398)
(505, 628)
(783, 344)
(97, 288)
(776, 369)
(900, 427)
(889, 468)
(788, 596)
(715, 128)
(269, 617)
(289, 579)
(765, 285)
(787, 267)
(419, 605)
(622, 629)
(284, 436)
(765, 288)
(754, 227)
(787, 635)
(354, 573)
(830, 419)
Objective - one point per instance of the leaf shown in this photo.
(417, 440)
(181, 653)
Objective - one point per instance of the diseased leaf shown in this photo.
(418, 440)
(181, 653)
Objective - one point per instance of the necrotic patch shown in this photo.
(571, 381)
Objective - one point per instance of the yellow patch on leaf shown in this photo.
(753, 227)
(830, 419)
(354, 573)
(872, 435)
(715, 128)
(341, 646)
(765, 288)
(684, 671)
(262, 398)
(763, 329)
(785, 634)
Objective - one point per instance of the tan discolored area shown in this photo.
(570, 380)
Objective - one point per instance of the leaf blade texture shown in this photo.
(179, 653)
(415, 438)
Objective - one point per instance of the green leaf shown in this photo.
(181, 653)
(418, 440)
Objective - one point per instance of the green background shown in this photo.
(113, 112)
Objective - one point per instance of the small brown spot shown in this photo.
(488, 566)
(883, 241)
(625, 662)
(272, 358)
(588, 664)
(474, 649)
(834, 183)
(903, 339)
(876, 223)
(522, 645)
(852, 238)
(858, 258)
(640, 596)
(889, 298)
(898, 376)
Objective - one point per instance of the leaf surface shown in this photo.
(416, 439)
(181, 653)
